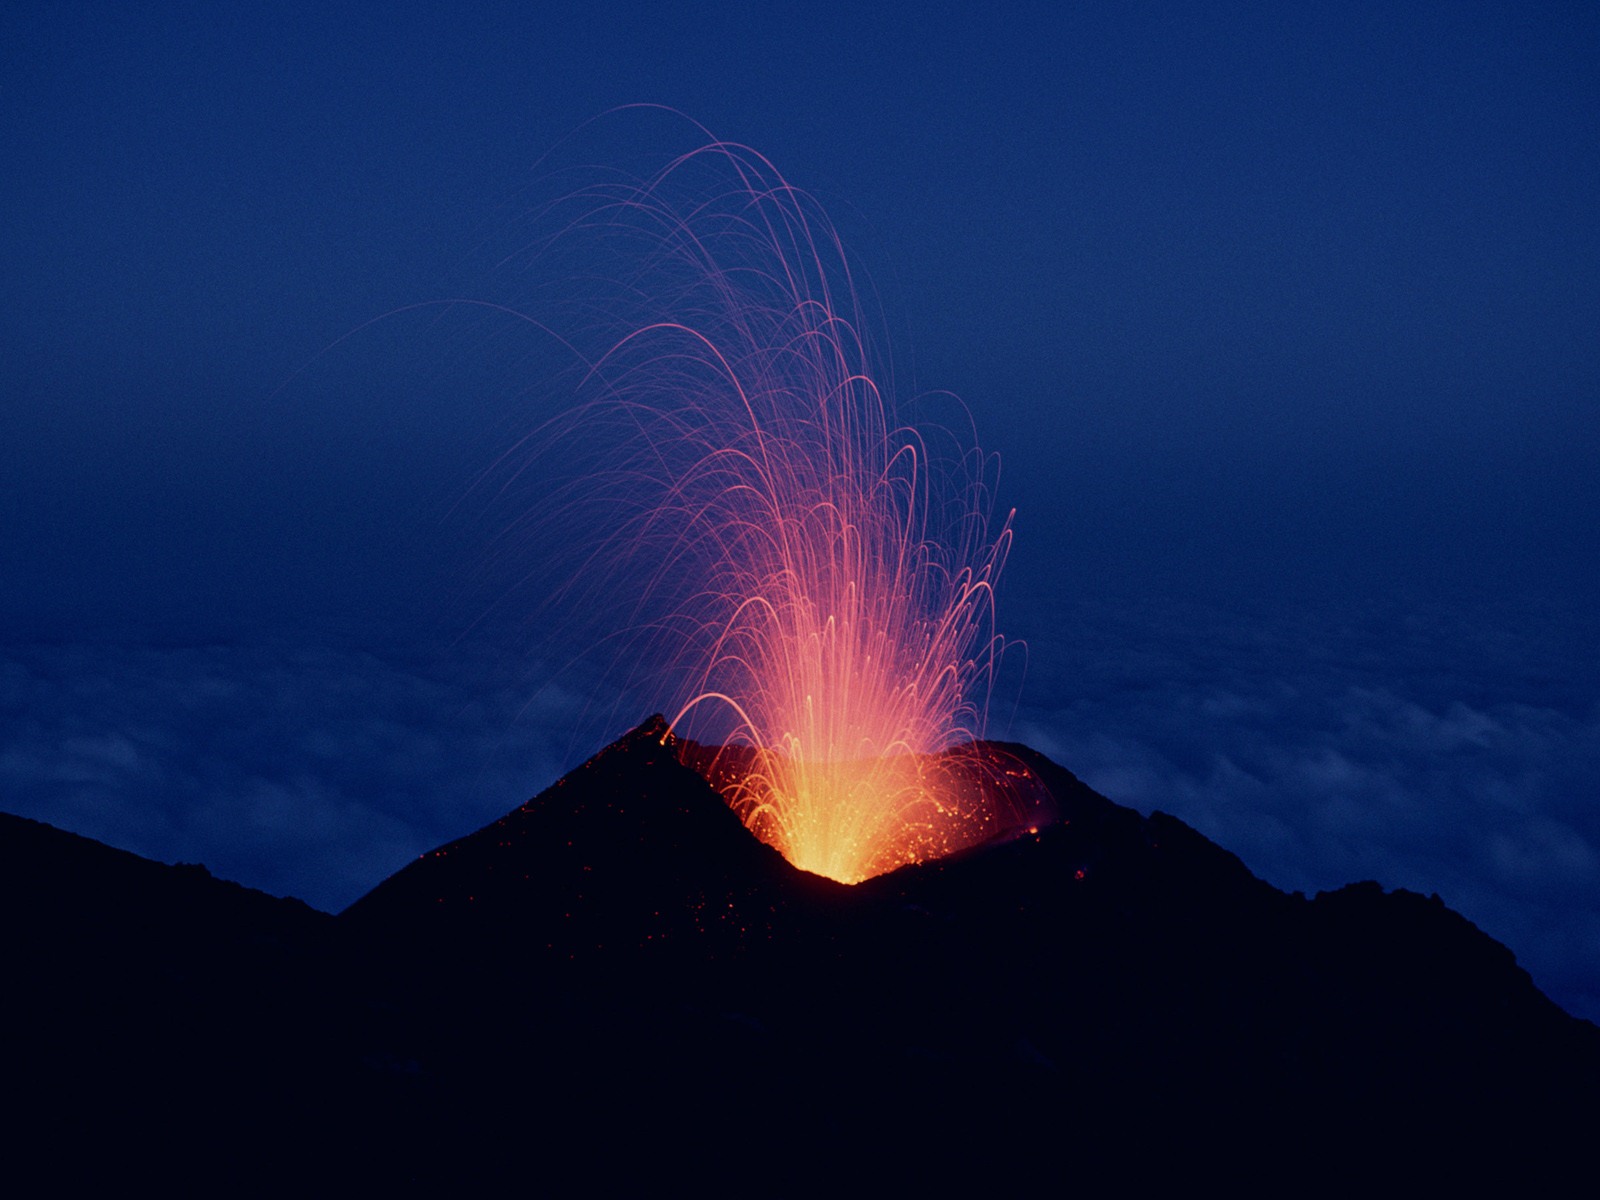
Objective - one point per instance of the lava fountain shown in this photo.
(808, 578)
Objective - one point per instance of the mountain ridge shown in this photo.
(622, 942)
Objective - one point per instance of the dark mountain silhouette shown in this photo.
(148, 1010)
(615, 984)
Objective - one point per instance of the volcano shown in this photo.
(617, 984)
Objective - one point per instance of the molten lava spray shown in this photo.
(811, 578)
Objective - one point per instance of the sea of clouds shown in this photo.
(1442, 749)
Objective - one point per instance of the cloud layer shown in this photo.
(1450, 750)
(307, 772)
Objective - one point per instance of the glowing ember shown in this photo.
(814, 577)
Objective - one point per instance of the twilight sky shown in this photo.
(1283, 321)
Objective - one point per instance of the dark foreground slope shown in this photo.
(149, 1014)
(616, 984)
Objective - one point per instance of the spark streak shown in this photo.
(813, 577)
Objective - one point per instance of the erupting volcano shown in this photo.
(814, 574)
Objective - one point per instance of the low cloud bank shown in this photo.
(306, 772)
(1443, 749)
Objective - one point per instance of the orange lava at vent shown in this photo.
(810, 574)
(846, 820)
(853, 820)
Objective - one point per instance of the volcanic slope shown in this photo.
(154, 1020)
(616, 984)
(1091, 985)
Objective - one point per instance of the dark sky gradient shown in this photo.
(1282, 319)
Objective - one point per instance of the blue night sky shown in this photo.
(1282, 319)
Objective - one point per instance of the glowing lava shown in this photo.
(813, 578)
